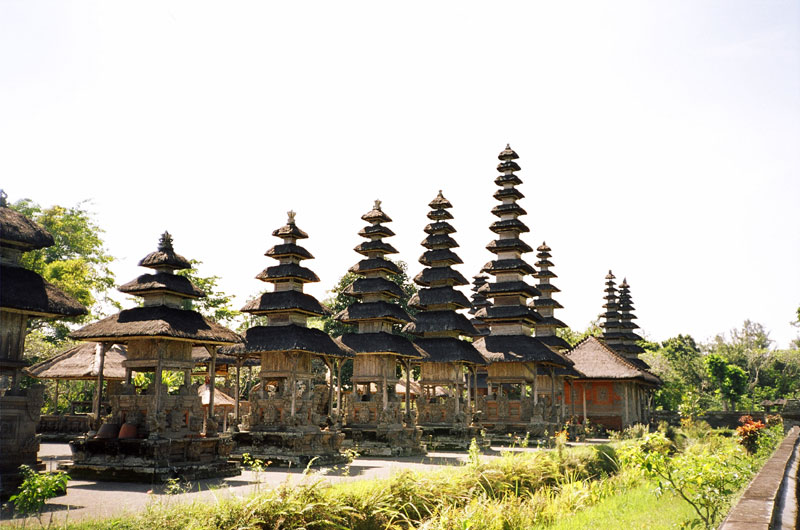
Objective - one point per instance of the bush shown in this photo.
(749, 432)
(36, 488)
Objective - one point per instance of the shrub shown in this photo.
(36, 488)
(749, 432)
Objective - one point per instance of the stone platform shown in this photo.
(290, 448)
(384, 441)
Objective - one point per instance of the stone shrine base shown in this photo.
(391, 440)
(448, 438)
(290, 448)
(146, 460)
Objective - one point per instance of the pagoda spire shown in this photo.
(610, 317)
(479, 301)
(629, 346)
(545, 305)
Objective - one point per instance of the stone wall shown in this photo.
(715, 418)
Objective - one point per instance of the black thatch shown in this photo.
(508, 245)
(439, 227)
(508, 179)
(508, 313)
(438, 241)
(508, 288)
(518, 348)
(376, 215)
(552, 321)
(546, 302)
(433, 321)
(548, 287)
(382, 343)
(635, 360)
(18, 231)
(283, 301)
(433, 275)
(554, 341)
(450, 350)
(374, 246)
(508, 193)
(291, 338)
(289, 250)
(364, 286)
(508, 153)
(200, 355)
(440, 257)
(544, 274)
(287, 271)
(290, 230)
(165, 256)
(162, 282)
(157, 321)
(508, 265)
(439, 202)
(25, 291)
(544, 262)
(438, 296)
(385, 311)
(505, 209)
(375, 231)
(439, 215)
(507, 165)
(627, 324)
(509, 225)
(375, 265)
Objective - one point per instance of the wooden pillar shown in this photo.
(55, 400)
(329, 366)
(293, 383)
(212, 383)
(187, 377)
(458, 397)
(625, 386)
(552, 391)
(408, 388)
(468, 388)
(583, 398)
(475, 384)
(128, 376)
(572, 397)
(100, 361)
(239, 362)
(339, 387)
(535, 384)
(157, 398)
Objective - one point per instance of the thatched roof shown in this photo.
(439, 202)
(517, 348)
(548, 287)
(438, 296)
(221, 399)
(291, 338)
(287, 250)
(521, 288)
(433, 321)
(157, 321)
(376, 215)
(439, 215)
(510, 313)
(18, 231)
(200, 355)
(364, 286)
(554, 341)
(82, 362)
(382, 343)
(551, 321)
(282, 301)
(450, 350)
(509, 225)
(165, 256)
(374, 246)
(508, 193)
(508, 245)
(287, 271)
(439, 257)
(433, 275)
(508, 265)
(25, 291)
(373, 311)
(508, 154)
(290, 230)
(162, 282)
(439, 227)
(595, 360)
(511, 208)
(508, 179)
(437, 241)
(375, 264)
(546, 302)
(375, 231)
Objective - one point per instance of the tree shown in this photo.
(216, 305)
(574, 337)
(730, 380)
(678, 361)
(77, 263)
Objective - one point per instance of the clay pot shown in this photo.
(107, 431)
(128, 430)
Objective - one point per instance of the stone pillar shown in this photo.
(239, 362)
(338, 388)
(583, 398)
(625, 386)
(100, 359)
(553, 393)
(408, 389)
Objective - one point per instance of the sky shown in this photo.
(657, 139)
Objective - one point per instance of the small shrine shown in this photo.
(615, 389)
(157, 435)
(477, 302)
(24, 295)
(516, 358)
(450, 363)
(376, 421)
(290, 419)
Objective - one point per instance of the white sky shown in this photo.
(658, 139)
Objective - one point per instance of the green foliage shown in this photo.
(730, 380)
(77, 263)
(216, 305)
(679, 363)
(36, 488)
(574, 337)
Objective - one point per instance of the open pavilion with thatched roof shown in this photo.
(24, 295)
(156, 435)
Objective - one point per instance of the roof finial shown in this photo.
(3, 198)
(165, 242)
(377, 205)
(508, 146)
(291, 214)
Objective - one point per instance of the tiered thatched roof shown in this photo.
(545, 305)
(596, 360)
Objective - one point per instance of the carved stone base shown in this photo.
(19, 443)
(452, 438)
(291, 448)
(384, 440)
(151, 460)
